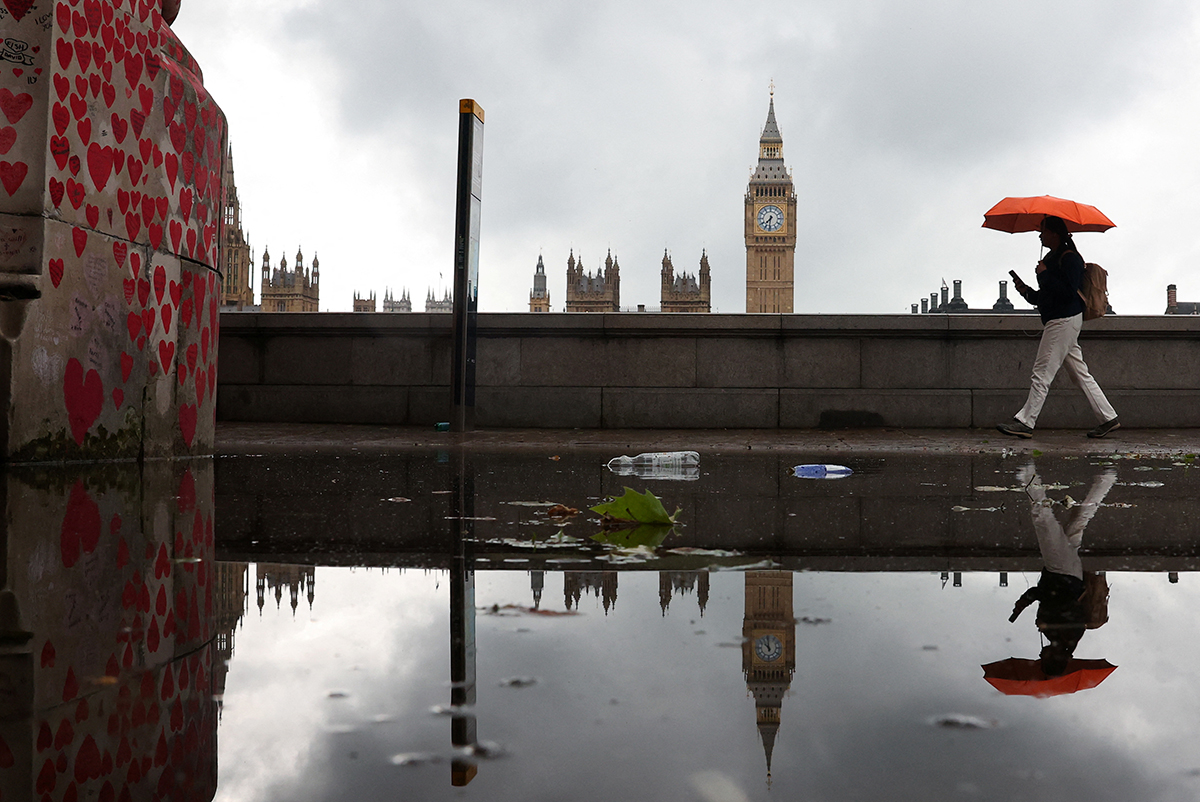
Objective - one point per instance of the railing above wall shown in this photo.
(630, 370)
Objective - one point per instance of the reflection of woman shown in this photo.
(1059, 278)
(1063, 614)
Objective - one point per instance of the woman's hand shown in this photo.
(1041, 267)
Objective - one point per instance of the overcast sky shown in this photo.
(633, 126)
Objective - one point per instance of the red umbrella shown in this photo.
(1025, 214)
(1018, 676)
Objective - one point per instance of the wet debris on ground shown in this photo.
(518, 682)
(961, 721)
(487, 750)
(517, 609)
(415, 759)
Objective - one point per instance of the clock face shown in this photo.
(768, 648)
(770, 218)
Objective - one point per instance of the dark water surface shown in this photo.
(416, 626)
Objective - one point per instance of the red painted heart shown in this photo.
(18, 8)
(83, 52)
(56, 271)
(187, 423)
(120, 128)
(79, 107)
(80, 237)
(8, 135)
(61, 116)
(13, 175)
(166, 352)
(100, 165)
(126, 366)
(75, 190)
(84, 398)
(60, 149)
(160, 282)
(57, 191)
(14, 106)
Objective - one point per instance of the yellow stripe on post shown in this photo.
(468, 106)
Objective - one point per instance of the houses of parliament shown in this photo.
(770, 237)
(769, 233)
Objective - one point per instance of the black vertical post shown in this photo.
(466, 263)
(462, 620)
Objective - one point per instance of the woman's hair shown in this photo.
(1055, 225)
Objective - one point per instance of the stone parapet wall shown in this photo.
(691, 371)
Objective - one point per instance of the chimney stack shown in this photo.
(924, 306)
(1172, 299)
(914, 309)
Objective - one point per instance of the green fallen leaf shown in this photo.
(1037, 453)
(633, 506)
(649, 536)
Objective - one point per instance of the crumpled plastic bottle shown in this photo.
(676, 465)
(821, 471)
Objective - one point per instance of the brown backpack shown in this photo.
(1094, 291)
(1095, 599)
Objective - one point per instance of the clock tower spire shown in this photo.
(770, 225)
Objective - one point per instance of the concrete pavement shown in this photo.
(262, 438)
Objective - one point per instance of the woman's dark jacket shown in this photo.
(1057, 295)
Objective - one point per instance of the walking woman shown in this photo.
(1059, 276)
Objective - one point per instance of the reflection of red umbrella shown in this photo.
(1025, 214)
(1018, 676)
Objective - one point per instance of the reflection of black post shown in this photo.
(462, 618)
(466, 263)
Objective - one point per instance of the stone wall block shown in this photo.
(672, 408)
(390, 361)
(738, 362)
(821, 362)
(538, 407)
(648, 362)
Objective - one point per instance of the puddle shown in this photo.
(881, 636)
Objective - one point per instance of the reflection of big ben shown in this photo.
(770, 226)
(768, 648)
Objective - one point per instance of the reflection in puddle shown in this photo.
(809, 639)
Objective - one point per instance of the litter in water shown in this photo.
(821, 471)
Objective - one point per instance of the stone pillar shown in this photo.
(110, 222)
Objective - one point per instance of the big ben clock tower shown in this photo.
(770, 225)
(768, 649)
